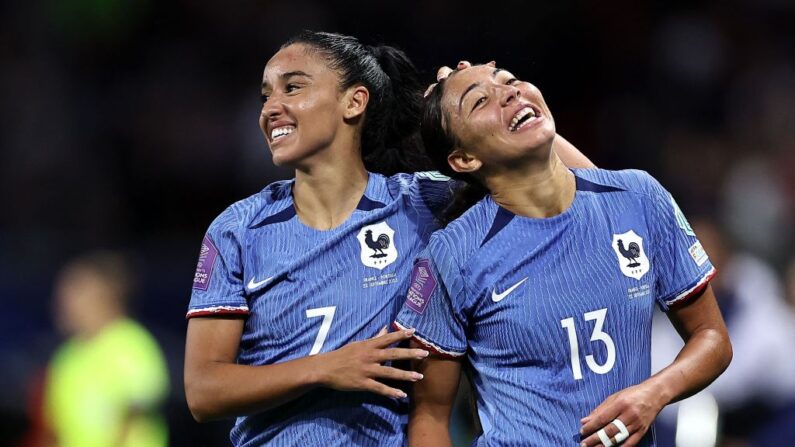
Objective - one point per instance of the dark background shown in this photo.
(131, 124)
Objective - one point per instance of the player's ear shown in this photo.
(355, 101)
(463, 162)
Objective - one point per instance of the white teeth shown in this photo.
(281, 131)
(519, 115)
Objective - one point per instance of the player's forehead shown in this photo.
(295, 59)
(462, 82)
(460, 79)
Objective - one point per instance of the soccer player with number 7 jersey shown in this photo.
(295, 283)
(546, 286)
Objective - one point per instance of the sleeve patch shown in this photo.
(698, 253)
(681, 220)
(432, 175)
(422, 286)
(204, 268)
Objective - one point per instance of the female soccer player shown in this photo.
(294, 283)
(547, 285)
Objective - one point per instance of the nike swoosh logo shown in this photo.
(497, 297)
(254, 284)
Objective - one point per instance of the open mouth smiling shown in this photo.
(524, 116)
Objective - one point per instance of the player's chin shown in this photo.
(281, 157)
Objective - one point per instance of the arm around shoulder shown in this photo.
(570, 155)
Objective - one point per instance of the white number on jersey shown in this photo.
(328, 314)
(596, 335)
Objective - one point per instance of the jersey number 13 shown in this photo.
(596, 336)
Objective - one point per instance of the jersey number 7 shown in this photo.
(328, 315)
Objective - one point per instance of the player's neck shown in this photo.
(536, 190)
(326, 194)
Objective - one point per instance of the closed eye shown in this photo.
(512, 81)
(480, 101)
(264, 98)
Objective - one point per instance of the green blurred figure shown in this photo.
(106, 381)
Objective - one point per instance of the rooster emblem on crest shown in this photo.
(377, 245)
(632, 253)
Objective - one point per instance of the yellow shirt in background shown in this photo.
(105, 392)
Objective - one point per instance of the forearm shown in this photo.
(220, 390)
(570, 155)
(705, 355)
(427, 430)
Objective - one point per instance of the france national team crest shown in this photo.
(378, 245)
(631, 256)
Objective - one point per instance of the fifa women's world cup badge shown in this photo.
(378, 245)
(631, 255)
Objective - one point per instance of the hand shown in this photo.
(358, 366)
(635, 407)
(445, 71)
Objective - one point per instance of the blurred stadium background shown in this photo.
(131, 124)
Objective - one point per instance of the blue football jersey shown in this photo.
(305, 291)
(554, 315)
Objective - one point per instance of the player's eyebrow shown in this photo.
(474, 86)
(288, 75)
(469, 89)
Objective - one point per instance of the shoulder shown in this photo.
(630, 180)
(247, 212)
(462, 237)
(412, 183)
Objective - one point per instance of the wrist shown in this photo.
(316, 372)
(661, 392)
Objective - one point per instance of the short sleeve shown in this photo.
(431, 307)
(434, 189)
(684, 269)
(218, 280)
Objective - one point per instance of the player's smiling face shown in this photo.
(302, 108)
(496, 117)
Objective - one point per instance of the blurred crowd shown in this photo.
(130, 125)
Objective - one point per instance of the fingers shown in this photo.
(443, 73)
(403, 354)
(596, 420)
(379, 388)
(600, 416)
(612, 433)
(382, 341)
(388, 372)
(428, 90)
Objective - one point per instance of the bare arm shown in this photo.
(705, 355)
(432, 401)
(570, 155)
(216, 386)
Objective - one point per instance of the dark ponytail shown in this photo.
(439, 143)
(390, 137)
